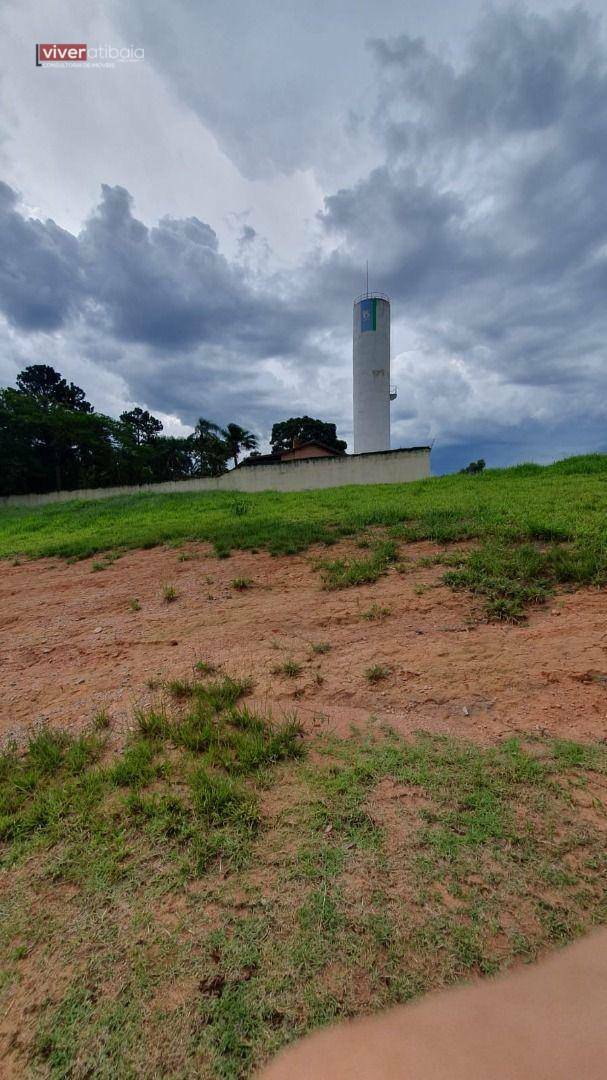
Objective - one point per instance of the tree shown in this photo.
(46, 445)
(474, 467)
(48, 388)
(51, 438)
(304, 429)
(171, 458)
(23, 468)
(237, 439)
(142, 425)
(210, 450)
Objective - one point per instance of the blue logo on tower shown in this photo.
(368, 314)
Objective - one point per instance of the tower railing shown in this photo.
(371, 296)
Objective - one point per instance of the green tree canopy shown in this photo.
(474, 467)
(46, 386)
(140, 423)
(303, 429)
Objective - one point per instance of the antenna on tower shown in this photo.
(367, 277)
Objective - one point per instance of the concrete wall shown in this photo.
(392, 467)
(371, 379)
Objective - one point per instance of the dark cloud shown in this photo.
(486, 222)
(40, 282)
(168, 286)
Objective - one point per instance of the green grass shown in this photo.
(289, 667)
(511, 578)
(241, 583)
(376, 613)
(377, 673)
(188, 911)
(344, 573)
(556, 515)
(562, 502)
(58, 786)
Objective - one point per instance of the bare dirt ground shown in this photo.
(70, 645)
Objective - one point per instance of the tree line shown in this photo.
(51, 439)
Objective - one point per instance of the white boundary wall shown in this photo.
(388, 467)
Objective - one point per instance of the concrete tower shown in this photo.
(371, 373)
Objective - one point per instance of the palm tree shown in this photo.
(210, 447)
(237, 439)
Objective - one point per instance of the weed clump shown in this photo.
(376, 613)
(290, 668)
(510, 578)
(320, 647)
(344, 573)
(241, 583)
(377, 672)
(204, 667)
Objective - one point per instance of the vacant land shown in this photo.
(242, 796)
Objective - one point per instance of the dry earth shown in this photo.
(70, 645)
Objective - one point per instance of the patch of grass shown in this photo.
(237, 899)
(164, 816)
(169, 594)
(320, 647)
(137, 766)
(377, 672)
(220, 800)
(224, 693)
(261, 743)
(180, 688)
(134, 604)
(203, 667)
(290, 668)
(376, 613)
(344, 573)
(510, 578)
(152, 723)
(241, 583)
(46, 750)
(196, 732)
(101, 720)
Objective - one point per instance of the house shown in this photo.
(310, 448)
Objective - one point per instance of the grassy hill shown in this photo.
(185, 896)
(537, 526)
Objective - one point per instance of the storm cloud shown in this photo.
(479, 201)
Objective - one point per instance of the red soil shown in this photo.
(70, 645)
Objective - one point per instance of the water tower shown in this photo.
(371, 373)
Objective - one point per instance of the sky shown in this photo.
(187, 231)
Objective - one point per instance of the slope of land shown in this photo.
(564, 501)
(73, 645)
(244, 792)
